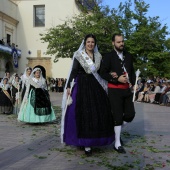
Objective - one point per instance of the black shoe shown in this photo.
(88, 153)
(81, 147)
(9, 113)
(120, 149)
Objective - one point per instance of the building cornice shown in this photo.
(39, 58)
(8, 19)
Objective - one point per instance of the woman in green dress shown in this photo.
(36, 106)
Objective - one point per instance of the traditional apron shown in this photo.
(6, 93)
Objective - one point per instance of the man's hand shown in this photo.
(136, 87)
(123, 79)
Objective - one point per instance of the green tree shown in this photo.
(146, 42)
(145, 37)
(63, 40)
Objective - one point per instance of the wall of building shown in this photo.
(8, 20)
(28, 38)
(8, 25)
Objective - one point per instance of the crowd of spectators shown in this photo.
(57, 85)
(154, 90)
(8, 44)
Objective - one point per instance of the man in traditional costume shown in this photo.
(119, 92)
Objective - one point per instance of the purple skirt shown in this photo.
(70, 128)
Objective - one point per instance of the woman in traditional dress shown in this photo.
(5, 97)
(36, 106)
(15, 90)
(88, 121)
(9, 77)
(24, 79)
(152, 94)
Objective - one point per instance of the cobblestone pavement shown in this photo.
(37, 147)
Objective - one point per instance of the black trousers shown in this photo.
(121, 105)
(157, 97)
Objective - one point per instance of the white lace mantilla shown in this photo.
(38, 83)
(84, 64)
(4, 86)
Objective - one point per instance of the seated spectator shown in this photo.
(157, 96)
(164, 96)
(168, 100)
(152, 94)
(141, 85)
(142, 93)
(151, 89)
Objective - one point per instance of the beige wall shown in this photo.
(8, 20)
(28, 38)
(8, 25)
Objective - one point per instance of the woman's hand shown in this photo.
(68, 92)
(114, 74)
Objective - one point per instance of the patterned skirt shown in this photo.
(88, 120)
(37, 109)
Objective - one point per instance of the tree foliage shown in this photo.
(63, 40)
(145, 36)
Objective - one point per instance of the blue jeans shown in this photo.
(165, 99)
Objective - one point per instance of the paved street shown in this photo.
(37, 147)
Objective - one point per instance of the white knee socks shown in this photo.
(117, 136)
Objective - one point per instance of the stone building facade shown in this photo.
(8, 35)
(22, 21)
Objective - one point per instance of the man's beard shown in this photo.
(119, 49)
